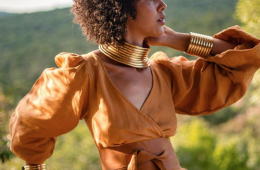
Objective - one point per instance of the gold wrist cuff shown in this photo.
(200, 45)
(34, 167)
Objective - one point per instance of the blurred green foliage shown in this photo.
(222, 116)
(200, 147)
(75, 151)
(29, 43)
(248, 12)
(5, 152)
(195, 145)
(228, 155)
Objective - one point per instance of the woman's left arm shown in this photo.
(180, 41)
(206, 85)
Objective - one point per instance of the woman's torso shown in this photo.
(127, 130)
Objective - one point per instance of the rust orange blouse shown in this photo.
(81, 89)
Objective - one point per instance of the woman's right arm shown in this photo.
(52, 107)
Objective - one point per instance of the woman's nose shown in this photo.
(163, 6)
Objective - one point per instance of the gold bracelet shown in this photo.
(34, 167)
(200, 45)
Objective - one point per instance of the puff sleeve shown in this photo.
(53, 107)
(204, 86)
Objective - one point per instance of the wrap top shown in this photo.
(81, 89)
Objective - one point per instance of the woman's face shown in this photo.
(149, 19)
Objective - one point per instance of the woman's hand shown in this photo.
(170, 38)
(163, 40)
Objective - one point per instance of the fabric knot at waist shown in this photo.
(155, 154)
(144, 159)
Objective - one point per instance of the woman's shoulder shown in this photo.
(68, 60)
(160, 58)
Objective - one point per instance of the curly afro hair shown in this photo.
(104, 21)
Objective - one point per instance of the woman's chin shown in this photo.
(158, 33)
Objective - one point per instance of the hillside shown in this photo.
(29, 42)
(4, 14)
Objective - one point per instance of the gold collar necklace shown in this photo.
(127, 54)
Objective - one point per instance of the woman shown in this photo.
(128, 101)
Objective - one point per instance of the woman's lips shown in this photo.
(161, 20)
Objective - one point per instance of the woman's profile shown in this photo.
(129, 101)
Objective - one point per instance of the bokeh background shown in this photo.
(30, 38)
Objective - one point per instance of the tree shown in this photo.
(5, 152)
(199, 147)
(195, 145)
(231, 154)
(248, 12)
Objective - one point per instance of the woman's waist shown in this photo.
(152, 154)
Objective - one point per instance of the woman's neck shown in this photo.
(135, 40)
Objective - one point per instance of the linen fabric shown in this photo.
(82, 89)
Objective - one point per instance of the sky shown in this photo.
(27, 6)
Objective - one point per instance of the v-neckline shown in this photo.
(121, 94)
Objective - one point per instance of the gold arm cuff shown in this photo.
(35, 167)
(200, 45)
